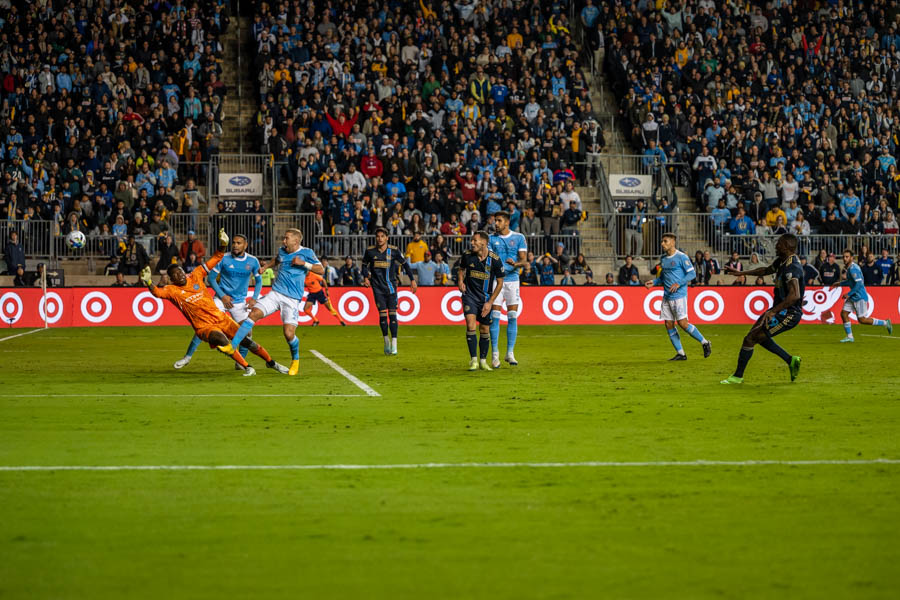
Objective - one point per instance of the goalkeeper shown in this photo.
(188, 293)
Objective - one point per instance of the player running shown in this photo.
(676, 271)
(380, 265)
(783, 316)
(230, 279)
(510, 246)
(857, 299)
(294, 262)
(480, 271)
(317, 291)
(188, 293)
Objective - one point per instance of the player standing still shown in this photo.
(480, 271)
(510, 246)
(380, 266)
(857, 299)
(676, 272)
(783, 316)
(317, 291)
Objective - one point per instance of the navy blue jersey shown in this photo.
(784, 272)
(480, 275)
(382, 267)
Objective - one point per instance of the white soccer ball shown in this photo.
(75, 240)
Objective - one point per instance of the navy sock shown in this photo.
(393, 325)
(472, 342)
(484, 345)
(777, 350)
(743, 359)
(383, 322)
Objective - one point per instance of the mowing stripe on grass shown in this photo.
(353, 379)
(9, 337)
(484, 465)
(170, 395)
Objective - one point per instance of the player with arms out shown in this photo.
(317, 291)
(857, 299)
(676, 271)
(510, 246)
(230, 279)
(188, 293)
(783, 316)
(480, 271)
(380, 266)
(294, 262)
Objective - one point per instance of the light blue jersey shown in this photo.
(675, 269)
(508, 246)
(291, 280)
(856, 283)
(231, 277)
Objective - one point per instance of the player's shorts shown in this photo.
(674, 309)
(783, 321)
(319, 297)
(226, 325)
(471, 306)
(509, 293)
(238, 311)
(860, 307)
(384, 301)
(277, 302)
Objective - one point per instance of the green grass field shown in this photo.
(108, 396)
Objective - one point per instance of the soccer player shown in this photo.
(188, 293)
(317, 291)
(480, 271)
(230, 280)
(857, 299)
(380, 266)
(676, 271)
(510, 246)
(783, 316)
(294, 262)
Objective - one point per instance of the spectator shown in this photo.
(547, 270)
(417, 249)
(427, 271)
(528, 276)
(14, 253)
(567, 278)
(634, 230)
(442, 275)
(810, 274)
(120, 281)
(885, 263)
(626, 271)
(830, 272)
(348, 274)
(134, 257)
(168, 253)
(530, 225)
(589, 279)
(871, 271)
(192, 244)
(331, 274)
(610, 280)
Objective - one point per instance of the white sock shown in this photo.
(393, 343)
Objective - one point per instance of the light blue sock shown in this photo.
(495, 330)
(295, 348)
(512, 330)
(244, 350)
(695, 333)
(192, 347)
(879, 322)
(676, 340)
(242, 332)
(848, 329)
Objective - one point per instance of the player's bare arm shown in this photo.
(523, 260)
(792, 297)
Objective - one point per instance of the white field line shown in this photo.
(9, 337)
(890, 337)
(353, 379)
(470, 465)
(170, 395)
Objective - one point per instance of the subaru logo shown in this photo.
(239, 181)
(630, 181)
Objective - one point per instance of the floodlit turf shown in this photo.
(108, 396)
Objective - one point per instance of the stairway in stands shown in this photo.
(240, 103)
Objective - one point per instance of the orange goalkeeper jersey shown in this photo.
(314, 282)
(191, 298)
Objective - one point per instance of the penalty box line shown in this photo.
(352, 378)
(9, 337)
(469, 465)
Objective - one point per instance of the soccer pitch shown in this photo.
(452, 522)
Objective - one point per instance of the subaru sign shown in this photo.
(238, 185)
(630, 186)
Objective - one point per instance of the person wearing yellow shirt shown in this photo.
(416, 249)
(514, 39)
(773, 214)
(282, 74)
(682, 55)
(471, 110)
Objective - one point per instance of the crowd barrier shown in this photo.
(88, 307)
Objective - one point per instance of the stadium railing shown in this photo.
(35, 236)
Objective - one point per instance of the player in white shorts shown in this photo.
(512, 249)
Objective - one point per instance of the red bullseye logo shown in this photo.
(53, 305)
(653, 305)
(608, 305)
(408, 306)
(709, 305)
(10, 308)
(96, 307)
(558, 305)
(756, 303)
(353, 306)
(452, 307)
(146, 307)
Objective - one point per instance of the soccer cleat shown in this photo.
(295, 367)
(707, 349)
(249, 371)
(795, 367)
(315, 323)
(473, 364)
(394, 352)
(511, 359)
(226, 349)
(890, 326)
(278, 367)
(847, 340)
(732, 380)
(182, 362)
(495, 360)
(678, 357)
(387, 348)
(483, 364)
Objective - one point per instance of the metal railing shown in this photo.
(35, 236)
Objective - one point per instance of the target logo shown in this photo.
(709, 305)
(817, 302)
(653, 305)
(756, 303)
(452, 308)
(353, 306)
(53, 304)
(408, 306)
(146, 307)
(10, 308)
(96, 307)
(558, 305)
(609, 305)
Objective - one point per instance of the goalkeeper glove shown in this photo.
(223, 238)
(146, 276)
